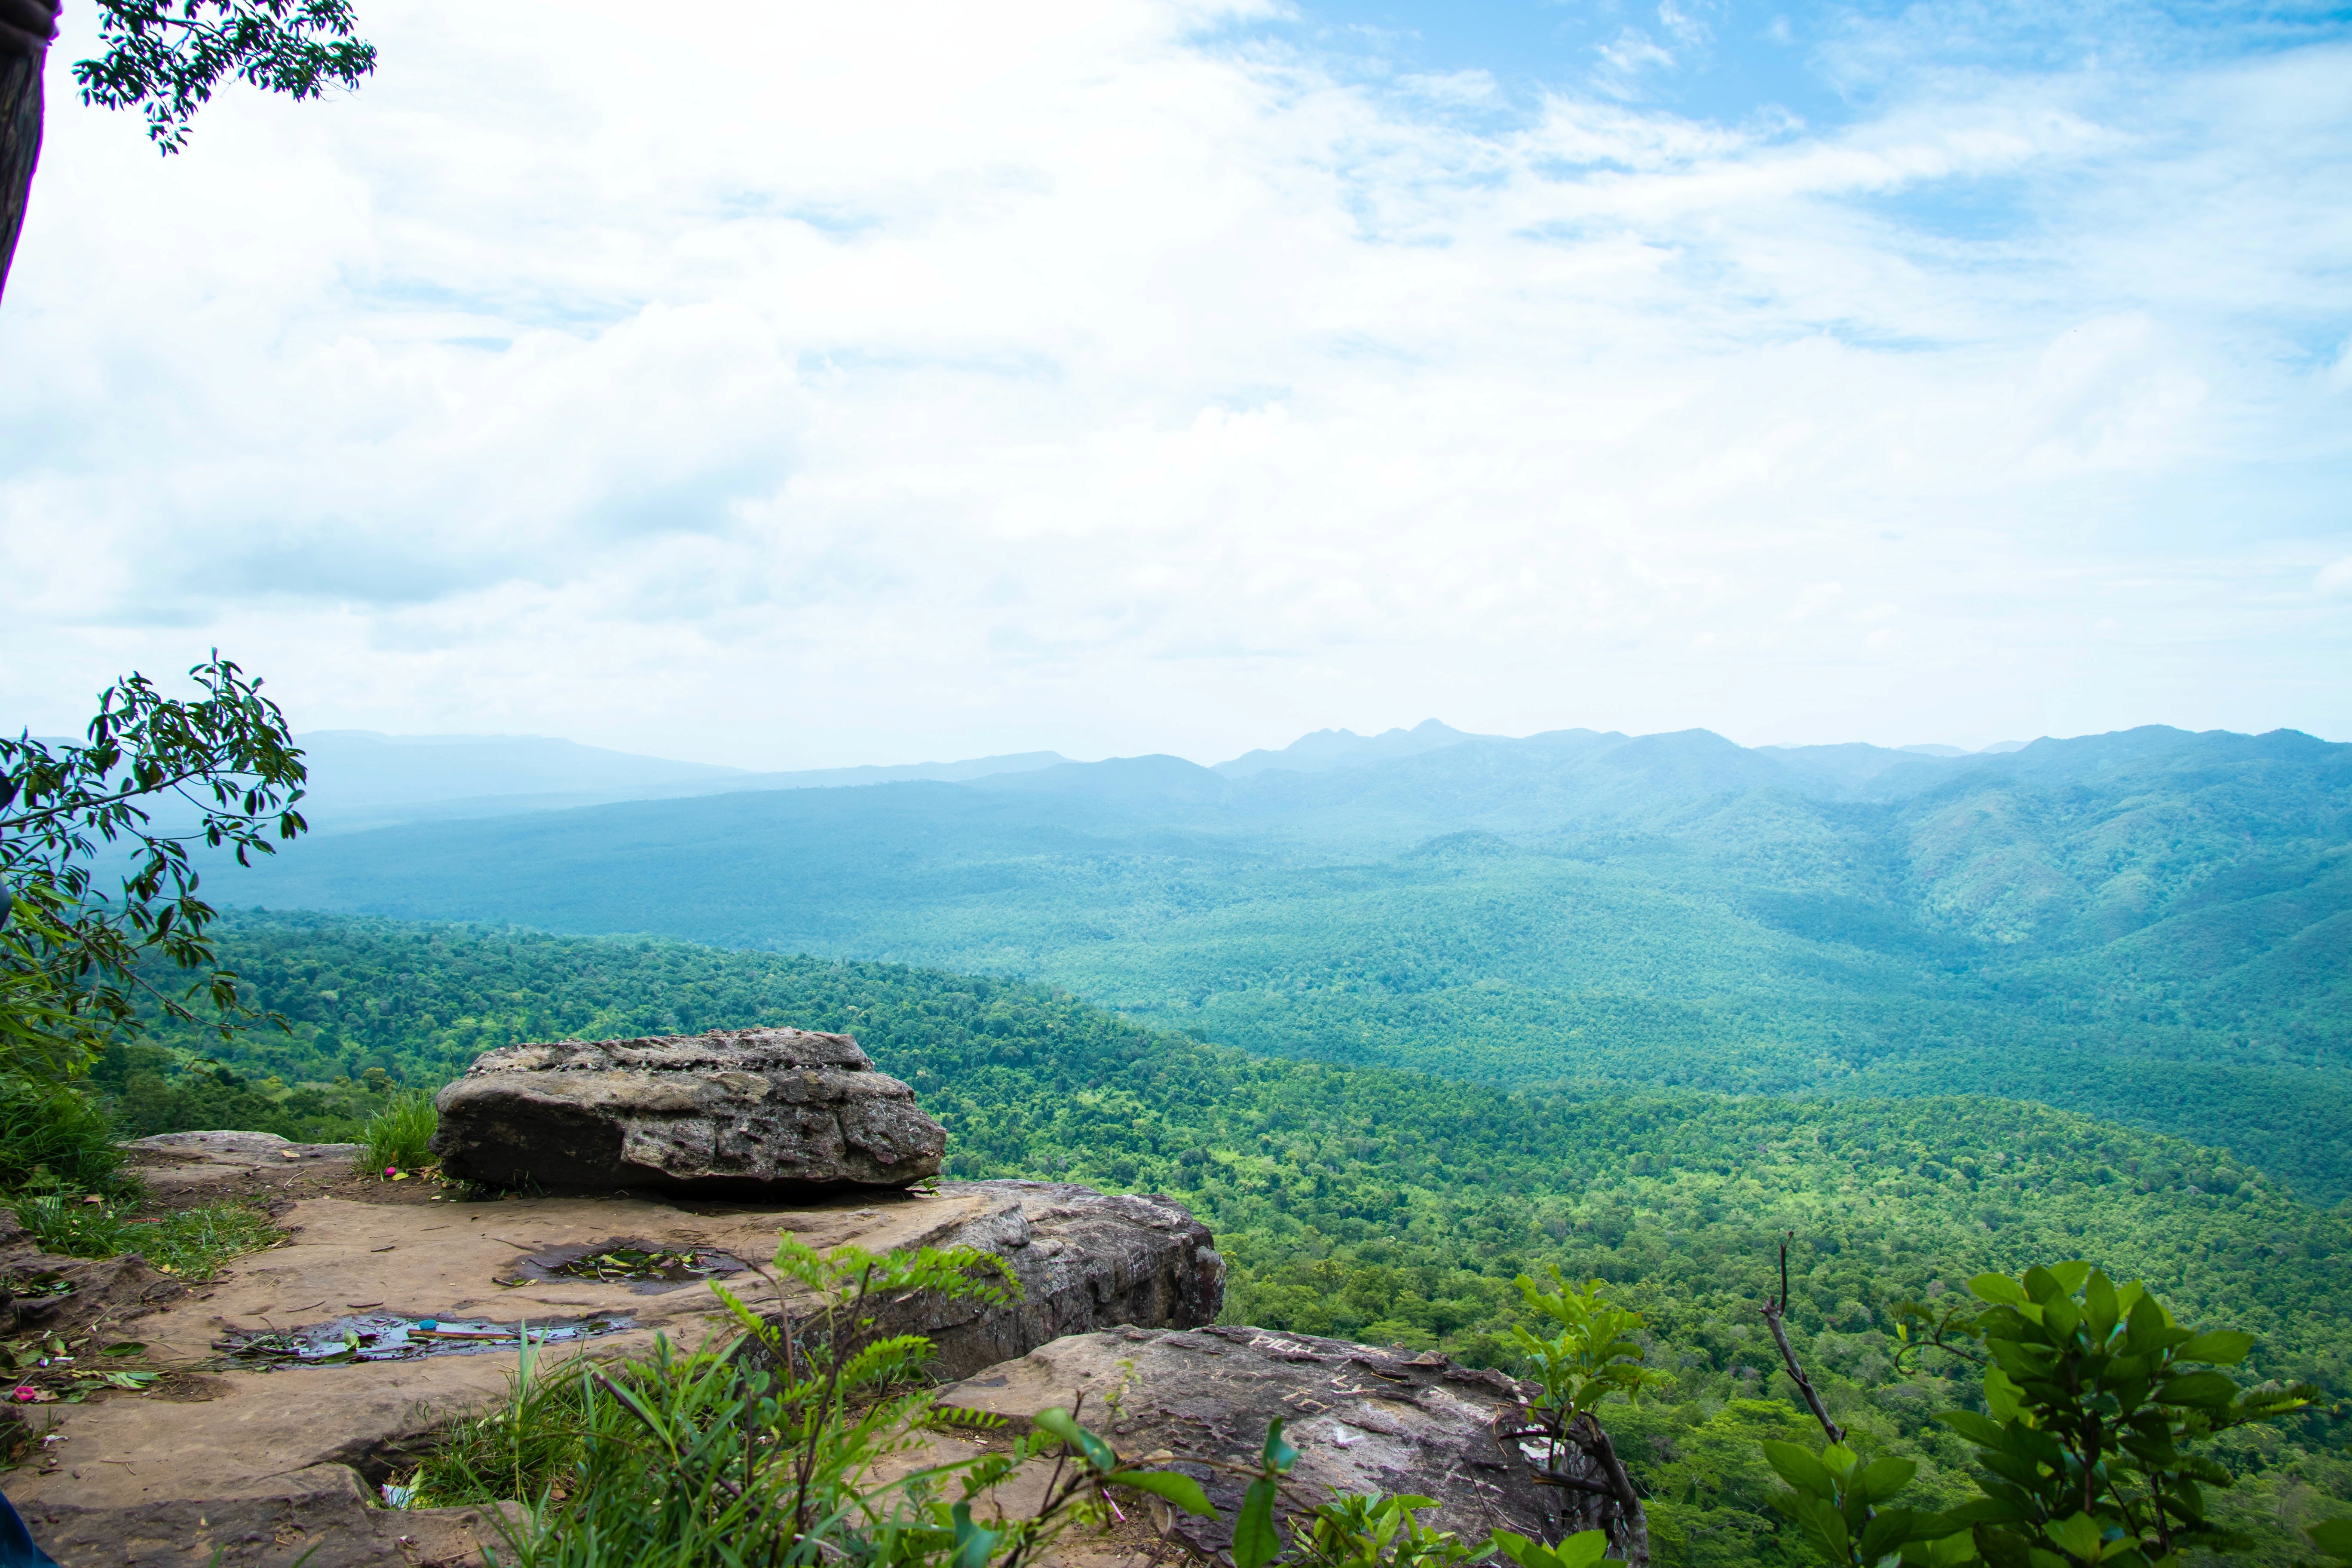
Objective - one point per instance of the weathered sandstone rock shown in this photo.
(1362, 1420)
(1085, 1260)
(750, 1114)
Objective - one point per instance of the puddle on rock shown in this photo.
(646, 1266)
(384, 1336)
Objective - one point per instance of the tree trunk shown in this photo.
(20, 147)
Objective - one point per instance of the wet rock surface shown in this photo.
(758, 1114)
(1362, 1420)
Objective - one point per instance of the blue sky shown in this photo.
(827, 385)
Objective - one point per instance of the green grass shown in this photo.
(193, 1243)
(516, 1449)
(52, 1137)
(396, 1137)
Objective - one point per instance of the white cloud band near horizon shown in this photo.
(817, 387)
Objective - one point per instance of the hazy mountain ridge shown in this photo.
(1637, 909)
(363, 778)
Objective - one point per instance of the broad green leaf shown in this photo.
(1951, 1550)
(1174, 1485)
(1826, 1527)
(1885, 1534)
(1581, 1550)
(1800, 1469)
(1255, 1544)
(1981, 1430)
(2071, 1277)
(2334, 1537)
(2222, 1347)
(2100, 1306)
(2002, 1397)
(2203, 1389)
(1525, 1551)
(1998, 1288)
(1882, 1478)
(2080, 1536)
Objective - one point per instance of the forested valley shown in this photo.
(1396, 1207)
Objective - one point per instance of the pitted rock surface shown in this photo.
(1362, 1420)
(750, 1114)
(1085, 1260)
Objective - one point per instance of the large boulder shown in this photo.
(750, 1114)
(1364, 1420)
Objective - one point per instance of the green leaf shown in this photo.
(2222, 1347)
(2334, 1537)
(974, 1546)
(1998, 1288)
(1826, 1528)
(1278, 1455)
(1882, 1478)
(129, 1347)
(1173, 1486)
(1581, 1550)
(1800, 1469)
(1254, 1542)
(2202, 1389)
(2080, 1536)
(1981, 1430)
(1886, 1533)
(2071, 1277)
(2002, 1397)
(1063, 1425)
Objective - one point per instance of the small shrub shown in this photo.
(397, 1135)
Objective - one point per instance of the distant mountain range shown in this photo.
(363, 778)
(2151, 925)
(360, 778)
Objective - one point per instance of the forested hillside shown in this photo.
(2149, 926)
(1393, 1207)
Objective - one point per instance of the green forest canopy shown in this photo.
(1393, 1207)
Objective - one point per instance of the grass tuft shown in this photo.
(193, 1243)
(521, 1447)
(397, 1136)
(52, 1137)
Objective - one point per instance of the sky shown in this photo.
(800, 385)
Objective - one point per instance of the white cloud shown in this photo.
(844, 384)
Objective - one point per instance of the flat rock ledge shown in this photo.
(265, 1465)
(749, 1114)
(1362, 1420)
